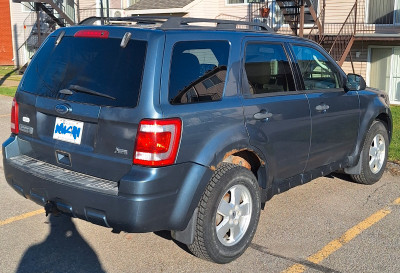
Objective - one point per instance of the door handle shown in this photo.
(322, 107)
(262, 115)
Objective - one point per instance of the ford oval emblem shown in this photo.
(63, 108)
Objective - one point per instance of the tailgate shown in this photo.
(77, 103)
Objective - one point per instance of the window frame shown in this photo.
(341, 73)
(244, 86)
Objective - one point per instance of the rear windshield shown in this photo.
(88, 70)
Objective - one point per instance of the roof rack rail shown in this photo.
(168, 22)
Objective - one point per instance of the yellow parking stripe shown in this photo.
(6, 115)
(397, 201)
(21, 217)
(342, 240)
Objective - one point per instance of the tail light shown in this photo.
(14, 117)
(157, 142)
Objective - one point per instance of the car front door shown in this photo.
(335, 113)
(277, 116)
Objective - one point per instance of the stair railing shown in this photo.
(67, 10)
(314, 33)
(345, 36)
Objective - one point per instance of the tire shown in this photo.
(235, 218)
(373, 155)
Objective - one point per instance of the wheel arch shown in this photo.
(244, 156)
(372, 114)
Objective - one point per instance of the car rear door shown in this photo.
(277, 116)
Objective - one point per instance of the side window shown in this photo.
(198, 71)
(317, 71)
(267, 69)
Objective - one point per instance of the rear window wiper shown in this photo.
(82, 89)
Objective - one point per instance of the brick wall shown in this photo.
(6, 48)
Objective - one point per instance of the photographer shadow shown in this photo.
(64, 250)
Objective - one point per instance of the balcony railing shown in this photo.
(373, 17)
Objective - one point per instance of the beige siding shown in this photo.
(115, 4)
(359, 67)
(19, 33)
(202, 9)
(238, 10)
(87, 4)
(360, 62)
(218, 9)
(337, 10)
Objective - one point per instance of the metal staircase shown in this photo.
(339, 44)
(45, 17)
(50, 12)
(303, 15)
(55, 9)
(300, 15)
(342, 43)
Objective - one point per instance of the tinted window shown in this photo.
(268, 69)
(317, 71)
(198, 71)
(100, 65)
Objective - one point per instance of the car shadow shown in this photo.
(64, 250)
(341, 175)
(166, 234)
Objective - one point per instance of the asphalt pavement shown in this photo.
(327, 225)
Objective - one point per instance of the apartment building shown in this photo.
(362, 35)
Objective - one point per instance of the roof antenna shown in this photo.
(108, 11)
(101, 12)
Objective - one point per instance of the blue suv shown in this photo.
(148, 124)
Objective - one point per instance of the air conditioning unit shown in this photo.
(117, 13)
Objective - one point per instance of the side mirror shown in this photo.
(354, 82)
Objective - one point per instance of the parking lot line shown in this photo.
(5, 115)
(21, 217)
(336, 244)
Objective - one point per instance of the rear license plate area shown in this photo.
(68, 130)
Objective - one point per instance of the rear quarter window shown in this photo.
(198, 71)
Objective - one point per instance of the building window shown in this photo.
(383, 12)
(384, 72)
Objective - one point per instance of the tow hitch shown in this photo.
(50, 207)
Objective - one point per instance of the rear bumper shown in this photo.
(146, 199)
